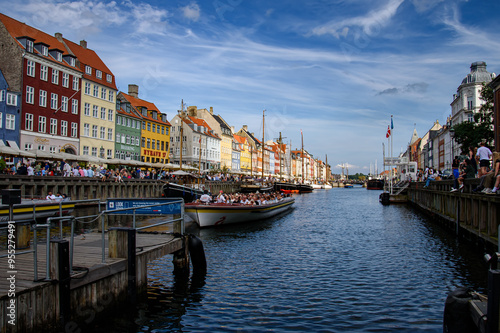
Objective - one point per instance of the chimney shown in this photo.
(133, 90)
(232, 129)
(192, 111)
(211, 110)
(245, 127)
(59, 37)
(83, 43)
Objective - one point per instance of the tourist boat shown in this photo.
(304, 188)
(221, 213)
(317, 186)
(284, 187)
(375, 184)
(32, 209)
(347, 185)
(327, 186)
(173, 190)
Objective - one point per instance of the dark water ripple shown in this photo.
(339, 262)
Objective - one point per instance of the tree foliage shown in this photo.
(470, 134)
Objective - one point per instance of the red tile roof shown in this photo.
(89, 57)
(201, 122)
(18, 29)
(137, 102)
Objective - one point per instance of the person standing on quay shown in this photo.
(483, 155)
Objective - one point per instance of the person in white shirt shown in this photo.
(50, 196)
(221, 198)
(483, 155)
(205, 198)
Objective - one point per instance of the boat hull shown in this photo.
(304, 188)
(42, 209)
(172, 190)
(375, 184)
(221, 214)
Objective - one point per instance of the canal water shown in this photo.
(338, 262)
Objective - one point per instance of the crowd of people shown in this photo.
(475, 165)
(251, 199)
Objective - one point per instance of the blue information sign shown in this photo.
(161, 207)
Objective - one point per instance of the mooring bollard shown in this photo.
(59, 270)
(122, 244)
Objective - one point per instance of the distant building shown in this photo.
(128, 130)
(46, 73)
(9, 112)
(155, 128)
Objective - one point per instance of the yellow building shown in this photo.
(245, 156)
(98, 103)
(155, 128)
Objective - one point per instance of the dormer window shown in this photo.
(70, 60)
(98, 73)
(88, 70)
(29, 46)
(109, 78)
(59, 56)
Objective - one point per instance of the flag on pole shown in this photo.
(388, 134)
(392, 125)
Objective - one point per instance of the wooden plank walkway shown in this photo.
(87, 258)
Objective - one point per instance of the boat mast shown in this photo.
(199, 162)
(263, 144)
(302, 155)
(182, 130)
(326, 168)
(280, 146)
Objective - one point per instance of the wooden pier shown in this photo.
(91, 290)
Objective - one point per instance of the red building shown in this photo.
(39, 66)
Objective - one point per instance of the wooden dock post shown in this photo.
(181, 260)
(59, 270)
(493, 311)
(122, 244)
(22, 234)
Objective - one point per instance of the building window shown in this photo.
(109, 153)
(74, 106)
(94, 151)
(123, 138)
(28, 124)
(65, 80)
(86, 110)
(95, 111)
(87, 88)
(53, 126)
(45, 50)
(110, 115)
(86, 130)
(30, 93)
(55, 76)
(43, 72)
(29, 46)
(43, 98)
(103, 113)
(102, 133)
(85, 150)
(88, 70)
(42, 124)
(2, 95)
(28, 146)
(75, 83)
(64, 104)
(110, 134)
(143, 125)
(96, 91)
(94, 131)
(143, 142)
(137, 141)
(148, 143)
(127, 140)
(109, 78)
(470, 117)
(74, 130)
(103, 93)
(118, 138)
(30, 70)
(111, 96)
(166, 131)
(149, 127)
(98, 74)
(53, 101)
(64, 128)
(154, 128)
(59, 56)
(72, 62)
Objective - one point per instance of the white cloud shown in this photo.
(370, 23)
(191, 11)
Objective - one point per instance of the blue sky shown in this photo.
(336, 69)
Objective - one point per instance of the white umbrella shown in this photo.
(181, 173)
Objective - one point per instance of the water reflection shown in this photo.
(338, 262)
